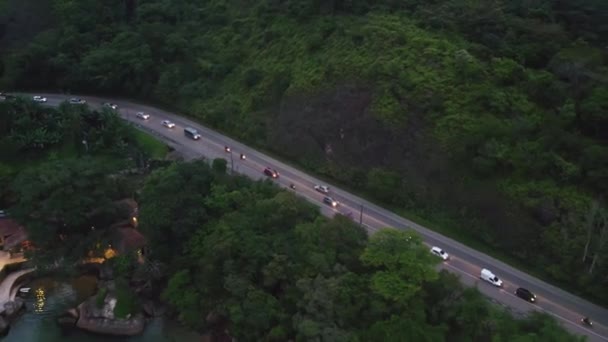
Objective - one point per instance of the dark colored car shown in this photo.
(525, 294)
(330, 201)
(271, 172)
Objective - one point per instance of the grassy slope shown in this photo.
(153, 147)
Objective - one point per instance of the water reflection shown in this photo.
(53, 297)
(40, 299)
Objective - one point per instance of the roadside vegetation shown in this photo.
(247, 259)
(230, 255)
(486, 118)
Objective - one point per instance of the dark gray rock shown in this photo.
(153, 309)
(4, 327)
(12, 308)
(102, 320)
(67, 321)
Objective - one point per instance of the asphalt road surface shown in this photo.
(464, 261)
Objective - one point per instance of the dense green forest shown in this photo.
(60, 173)
(231, 255)
(487, 118)
(260, 264)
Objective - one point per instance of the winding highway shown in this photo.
(464, 261)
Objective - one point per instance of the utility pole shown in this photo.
(361, 215)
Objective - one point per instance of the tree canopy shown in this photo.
(66, 206)
(264, 265)
(62, 191)
(487, 117)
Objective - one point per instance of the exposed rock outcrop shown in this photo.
(13, 308)
(69, 318)
(67, 321)
(101, 320)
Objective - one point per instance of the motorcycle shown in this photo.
(586, 321)
(292, 186)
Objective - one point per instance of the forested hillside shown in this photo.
(487, 118)
(259, 264)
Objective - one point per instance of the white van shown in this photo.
(488, 276)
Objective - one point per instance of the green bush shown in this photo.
(126, 300)
(101, 296)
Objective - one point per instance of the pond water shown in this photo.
(49, 298)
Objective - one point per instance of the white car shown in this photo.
(440, 253)
(322, 189)
(75, 100)
(167, 123)
(110, 105)
(39, 98)
(142, 115)
(490, 277)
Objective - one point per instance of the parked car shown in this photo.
(330, 201)
(41, 99)
(525, 294)
(440, 253)
(142, 115)
(110, 105)
(270, 172)
(167, 124)
(488, 276)
(322, 189)
(76, 100)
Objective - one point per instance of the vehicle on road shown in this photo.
(324, 189)
(77, 100)
(440, 253)
(243, 157)
(488, 276)
(292, 186)
(41, 99)
(227, 149)
(330, 201)
(525, 294)
(191, 133)
(586, 321)
(167, 124)
(110, 105)
(142, 115)
(270, 172)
